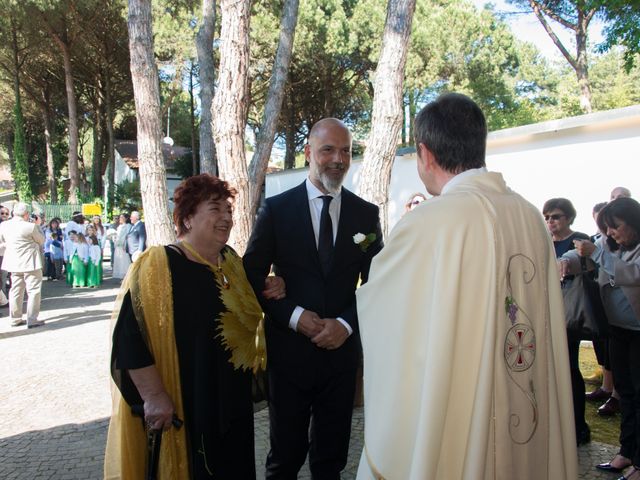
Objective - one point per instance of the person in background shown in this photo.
(96, 222)
(54, 250)
(606, 391)
(620, 192)
(414, 200)
(121, 259)
(5, 214)
(94, 270)
(79, 261)
(137, 238)
(76, 224)
(68, 246)
(559, 214)
(89, 231)
(23, 241)
(53, 231)
(110, 236)
(618, 259)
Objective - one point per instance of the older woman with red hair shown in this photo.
(187, 338)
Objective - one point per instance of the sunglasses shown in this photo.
(416, 202)
(555, 216)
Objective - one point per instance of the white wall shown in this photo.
(581, 158)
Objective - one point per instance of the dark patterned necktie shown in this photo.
(325, 236)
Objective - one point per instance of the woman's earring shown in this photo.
(188, 225)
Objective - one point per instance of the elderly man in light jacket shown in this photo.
(23, 242)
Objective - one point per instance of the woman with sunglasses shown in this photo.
(559, 214)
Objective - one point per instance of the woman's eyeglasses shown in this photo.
(555, 216)
(417, 202)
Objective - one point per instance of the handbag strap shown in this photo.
(583, 265)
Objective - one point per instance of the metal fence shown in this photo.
(60, 210)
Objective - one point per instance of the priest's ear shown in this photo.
(426, 157)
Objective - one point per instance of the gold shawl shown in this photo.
(149, 281)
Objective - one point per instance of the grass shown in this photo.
(603, 429)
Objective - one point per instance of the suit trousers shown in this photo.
(32, 283)
(327, 407)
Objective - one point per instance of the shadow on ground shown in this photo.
(66, 451)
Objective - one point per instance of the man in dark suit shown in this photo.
(313, 346)
(137, 237)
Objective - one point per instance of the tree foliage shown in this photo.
(622, 28)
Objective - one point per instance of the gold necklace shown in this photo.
(216, 269)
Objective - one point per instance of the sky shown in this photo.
(528, 27)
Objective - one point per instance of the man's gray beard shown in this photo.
(331, 185)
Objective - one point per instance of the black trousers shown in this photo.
(577, 384)
(315, 418)
(624, 352)
(601, 349)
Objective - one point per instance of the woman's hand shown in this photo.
(274, 288)
(158, 411)
(563, 268)
(584, 247)
(158, 407)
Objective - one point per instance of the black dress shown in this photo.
(217, 399)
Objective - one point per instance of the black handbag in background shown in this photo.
(583, 309)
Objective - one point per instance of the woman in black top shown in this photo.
(559, 214)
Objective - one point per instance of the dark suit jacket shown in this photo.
(137, 238)
(283, 236)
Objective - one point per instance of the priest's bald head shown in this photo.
(451, 137)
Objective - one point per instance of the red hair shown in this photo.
(195, 190)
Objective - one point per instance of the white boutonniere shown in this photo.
(363, 241)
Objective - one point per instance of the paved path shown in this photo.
(55, 401)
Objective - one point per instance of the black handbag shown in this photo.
(583, 309)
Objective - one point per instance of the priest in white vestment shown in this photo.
(466, 370)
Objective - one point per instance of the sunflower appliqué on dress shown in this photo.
(241, 327)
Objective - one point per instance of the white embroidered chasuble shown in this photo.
(465, 352)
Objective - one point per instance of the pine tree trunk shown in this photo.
(98, 148)
(290, 137)
(146, 90)
(413, 106)
(260, 160)
(20, 171)
(403, 130)
(192, 118)
(229, 112)
(387, 107)
(74, 177)
(48, 128)
(110, 145)
(204, 47)
(582, 70)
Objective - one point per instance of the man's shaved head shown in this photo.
(620, 192)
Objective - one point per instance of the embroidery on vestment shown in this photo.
(520, 349)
